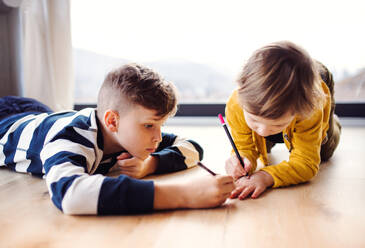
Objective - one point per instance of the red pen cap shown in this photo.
(221, 118)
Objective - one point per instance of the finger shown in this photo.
(237, 164)
(245, 193)
(257, 192)
(248, 165)
(233, 196)
(239, 169)
(124, 155)
(242, 181)
(233, 168)
(236, 192)
(128, 169)
(128, 162)
(239, 173)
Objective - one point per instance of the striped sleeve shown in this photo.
(176, 153)
(74, 191)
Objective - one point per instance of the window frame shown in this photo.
(343, 109)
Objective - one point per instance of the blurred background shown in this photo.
(202, 45)
(59, 52)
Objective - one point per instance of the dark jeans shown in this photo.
(11, 105)
(334, 131)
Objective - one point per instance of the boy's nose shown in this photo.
(157, 136)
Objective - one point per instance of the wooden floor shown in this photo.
(327, 212)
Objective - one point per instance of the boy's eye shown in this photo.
(148, 125)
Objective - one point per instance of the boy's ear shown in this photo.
(111, 120)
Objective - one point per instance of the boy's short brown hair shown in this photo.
(278, 78)
(134, 84)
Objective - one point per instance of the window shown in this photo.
(201, 45)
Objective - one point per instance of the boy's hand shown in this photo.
(254, 185)
(234, 167)
(209, 191)
(203, 192)
(135, 167)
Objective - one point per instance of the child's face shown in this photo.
(139, 131)
(265, 127)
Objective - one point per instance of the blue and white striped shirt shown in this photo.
(67, 149)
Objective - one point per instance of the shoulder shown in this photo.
(84, 119)
(234, 112)
(71, 124)
(232, 101)
(233, 106)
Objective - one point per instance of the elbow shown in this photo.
(76, 206)
(81, 207)
(66, 206)
(313, 173)
(313, 170)
(199, 150)
(69, 209)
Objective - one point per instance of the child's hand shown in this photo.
(208, 191)
(254, 185)
(202, 192)
(234, 167)
(135, 167)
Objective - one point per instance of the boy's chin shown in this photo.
(274, 133)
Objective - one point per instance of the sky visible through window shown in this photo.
(201, 45)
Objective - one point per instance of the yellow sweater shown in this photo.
(303, 138)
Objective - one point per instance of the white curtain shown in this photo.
(47, 52)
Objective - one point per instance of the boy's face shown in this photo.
(265, 127)
(139, 131)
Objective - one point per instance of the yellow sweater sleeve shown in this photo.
(241, 133)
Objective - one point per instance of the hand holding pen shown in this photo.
(241, 171)
(233, 167)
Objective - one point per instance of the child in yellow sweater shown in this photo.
(283, 96)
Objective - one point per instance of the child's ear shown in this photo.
(111, 120)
